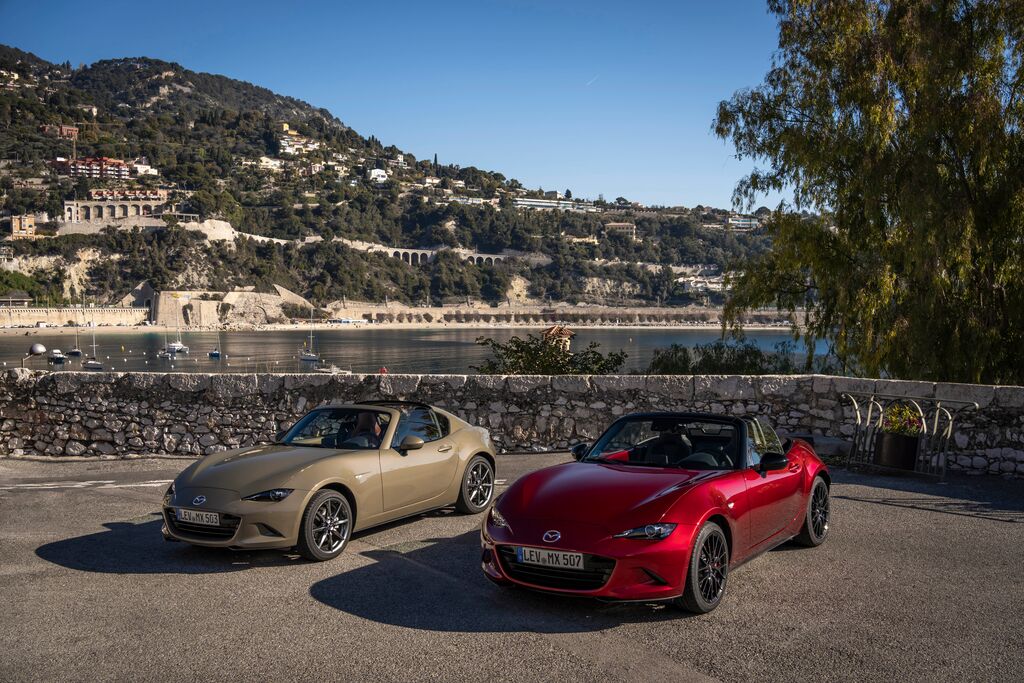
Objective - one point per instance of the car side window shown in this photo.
(443, 424)
(418, 422)
(772, 442)
(753, 453)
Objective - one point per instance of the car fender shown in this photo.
(697, 505)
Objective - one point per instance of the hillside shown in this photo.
(278, 167)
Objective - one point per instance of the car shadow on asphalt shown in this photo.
(137, 547)
(981, 497)
(438, 585)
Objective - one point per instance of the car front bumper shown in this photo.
(244, 524)
(614, 568)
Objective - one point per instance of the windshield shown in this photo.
(685, 443)
(349, 428)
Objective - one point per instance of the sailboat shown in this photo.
(176, 346)
(92, 363)
(74, 350)
(307, 353)
(215, 353)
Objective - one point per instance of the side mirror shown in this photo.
(411, 443)
(773, 461)
(579, 450)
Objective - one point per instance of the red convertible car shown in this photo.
(661, 507)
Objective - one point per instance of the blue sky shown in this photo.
(599, 97)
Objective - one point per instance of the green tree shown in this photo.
(901, 124)
(538, 356)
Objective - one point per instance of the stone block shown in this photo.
(904, 388)
(1009, 397)
(188, 382)
(675, 387)
(619, 383)
(981, 394)
(571, 384)
(487, 385)
(521, 384)
(724, 387)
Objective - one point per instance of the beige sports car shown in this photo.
(339, 469)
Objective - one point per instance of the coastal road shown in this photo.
(918, 581)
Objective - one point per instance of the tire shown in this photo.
(816, 516)
(708, 573)
(328, 510)
(477, 490)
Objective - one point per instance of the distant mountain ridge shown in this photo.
(156, 85)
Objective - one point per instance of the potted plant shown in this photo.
(896, 446)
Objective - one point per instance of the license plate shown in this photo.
(198, 517)
(550, 558)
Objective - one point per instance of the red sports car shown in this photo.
(661, 507)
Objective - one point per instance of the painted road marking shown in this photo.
(94, 484)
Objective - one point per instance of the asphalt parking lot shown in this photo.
(918, 581)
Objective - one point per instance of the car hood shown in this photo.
(257, 467)
(602, 494)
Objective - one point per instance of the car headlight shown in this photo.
(497, 519)
(650, 532)
(271, 496)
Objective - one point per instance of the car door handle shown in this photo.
(444, 449)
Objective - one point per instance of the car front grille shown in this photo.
(595, 575)
(228, 527)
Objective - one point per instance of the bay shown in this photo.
(367, 349)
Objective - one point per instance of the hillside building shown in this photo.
(740, 222)
(23, 227)
(627, 230)
(15, 297)
(554, 205)
(93, 167)
(291, 142)
(60, 131)
(559, 335)
(116, 203)
(377, 175)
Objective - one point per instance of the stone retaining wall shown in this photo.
(110, 414)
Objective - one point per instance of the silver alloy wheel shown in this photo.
(330, 525)
(820, 505)
(480, 484)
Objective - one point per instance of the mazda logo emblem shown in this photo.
(199, 500)
(551, 536)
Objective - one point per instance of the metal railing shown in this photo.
(938, 417)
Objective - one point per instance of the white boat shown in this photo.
(57, 357)
(176, 347)
(75, 351)
(164, 353)
(91, 363)
(332, 370)
(307, 353)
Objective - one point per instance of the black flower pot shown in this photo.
(897, 451)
